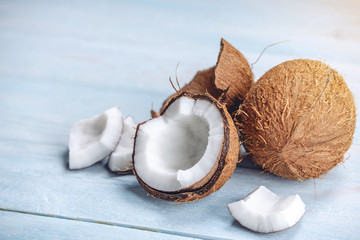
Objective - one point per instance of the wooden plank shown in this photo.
(119, 199)
(55, 70)
(15, 225)
(102, 44)
(37, 180)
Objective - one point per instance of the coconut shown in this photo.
(233, 76)
(93, 139)
(266, 212)
(120, 160)
(187, 152)
(230, 79)
(298, 120)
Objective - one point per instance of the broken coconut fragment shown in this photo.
(265, 212)
(93, 139)
(121, 158)
(189, 151)
(230, 79)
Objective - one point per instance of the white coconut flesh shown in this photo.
(180, 147)
(264, 211)
(121, 158)
(93, 139)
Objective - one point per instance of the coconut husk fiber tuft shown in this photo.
(298, 120)
(229, 80)
(220, 172)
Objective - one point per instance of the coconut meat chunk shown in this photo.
(264, 211)
(121, 158)
(180, 147)
(91, 140)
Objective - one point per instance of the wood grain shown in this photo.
(64, 61)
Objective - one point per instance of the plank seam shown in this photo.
(136, 227)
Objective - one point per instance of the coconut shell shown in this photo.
(298, 120)
(221, 171)
(233, 75)
(228, 81)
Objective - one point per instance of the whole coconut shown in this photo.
(298, 120)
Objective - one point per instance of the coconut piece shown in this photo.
(121, 158)
(189, 151)
(230, 79)
(265, 212)
(298, 120)
(91, 140)
(233, 75)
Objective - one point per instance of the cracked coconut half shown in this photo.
(265, 212)
(187, 152)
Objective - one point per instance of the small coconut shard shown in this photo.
(265, 212)
(91, 140)
(189, 151)
(120, 159)
(230, 79)
(298, 120)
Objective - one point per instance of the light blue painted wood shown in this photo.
(65, 61)
(25, 226)
(45, 185)
(108, 43)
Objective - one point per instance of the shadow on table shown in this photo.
(248, 163)
(93, 168)
(65, 157)
(285, 234)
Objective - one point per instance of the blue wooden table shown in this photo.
(62, 61)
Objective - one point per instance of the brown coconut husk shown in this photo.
(232, 75)
(298, 120)
(221, 171)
